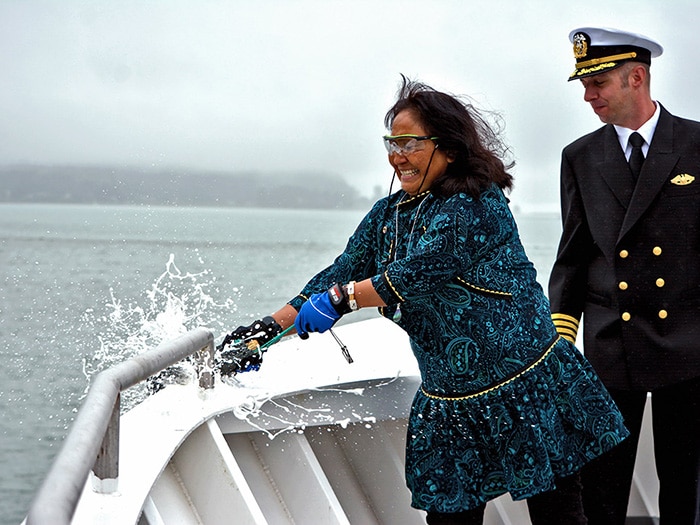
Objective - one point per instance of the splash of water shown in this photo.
(176, 303)
(275, 416)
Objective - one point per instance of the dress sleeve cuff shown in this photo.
(386, 289)
(298, 301)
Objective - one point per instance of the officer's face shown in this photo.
(610, 96)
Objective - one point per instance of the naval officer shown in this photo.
(628, 266)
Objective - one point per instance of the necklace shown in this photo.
(397, 315)
(413, 224)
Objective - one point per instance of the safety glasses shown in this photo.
(405, 144)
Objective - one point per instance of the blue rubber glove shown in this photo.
(316, 315)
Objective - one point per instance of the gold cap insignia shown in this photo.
(682, 179)
(580, 45)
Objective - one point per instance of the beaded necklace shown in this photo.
(413, 225)
(397, 313)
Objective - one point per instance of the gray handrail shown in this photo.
(93, 440)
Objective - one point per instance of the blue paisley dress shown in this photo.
(505, 404)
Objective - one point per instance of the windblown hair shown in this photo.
(463, 132)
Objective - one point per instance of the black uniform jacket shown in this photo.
(629, 256)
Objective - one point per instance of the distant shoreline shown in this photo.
(170, 187)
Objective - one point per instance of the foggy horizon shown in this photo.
(303, 86)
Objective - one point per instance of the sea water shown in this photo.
(84, 287)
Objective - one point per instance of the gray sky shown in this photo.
(303, 85)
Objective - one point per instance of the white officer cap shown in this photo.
(600, 49)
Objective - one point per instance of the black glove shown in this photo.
(246, 346)
(174, 374)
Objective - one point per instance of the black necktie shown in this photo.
(637, 157)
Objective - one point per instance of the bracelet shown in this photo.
(352, 302)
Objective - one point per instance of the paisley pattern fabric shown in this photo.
(506, 405)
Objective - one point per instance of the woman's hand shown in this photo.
(318, 314)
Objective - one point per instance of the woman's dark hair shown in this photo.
(463, 132)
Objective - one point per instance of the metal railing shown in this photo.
(93, 440)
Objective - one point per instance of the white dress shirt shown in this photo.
(646, 131)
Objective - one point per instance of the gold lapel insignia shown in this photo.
(682, 180)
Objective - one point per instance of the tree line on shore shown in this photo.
(175, 187)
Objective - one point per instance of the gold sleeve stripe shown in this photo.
(569, 336)
(566, 325)
(565, 319)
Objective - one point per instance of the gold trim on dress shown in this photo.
(496, 386)
(413, 198)
(484, 290)
(393, 288)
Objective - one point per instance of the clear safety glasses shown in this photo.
(405, 144)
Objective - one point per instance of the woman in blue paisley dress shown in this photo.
(506, 405)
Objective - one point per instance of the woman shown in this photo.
(505, 405)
